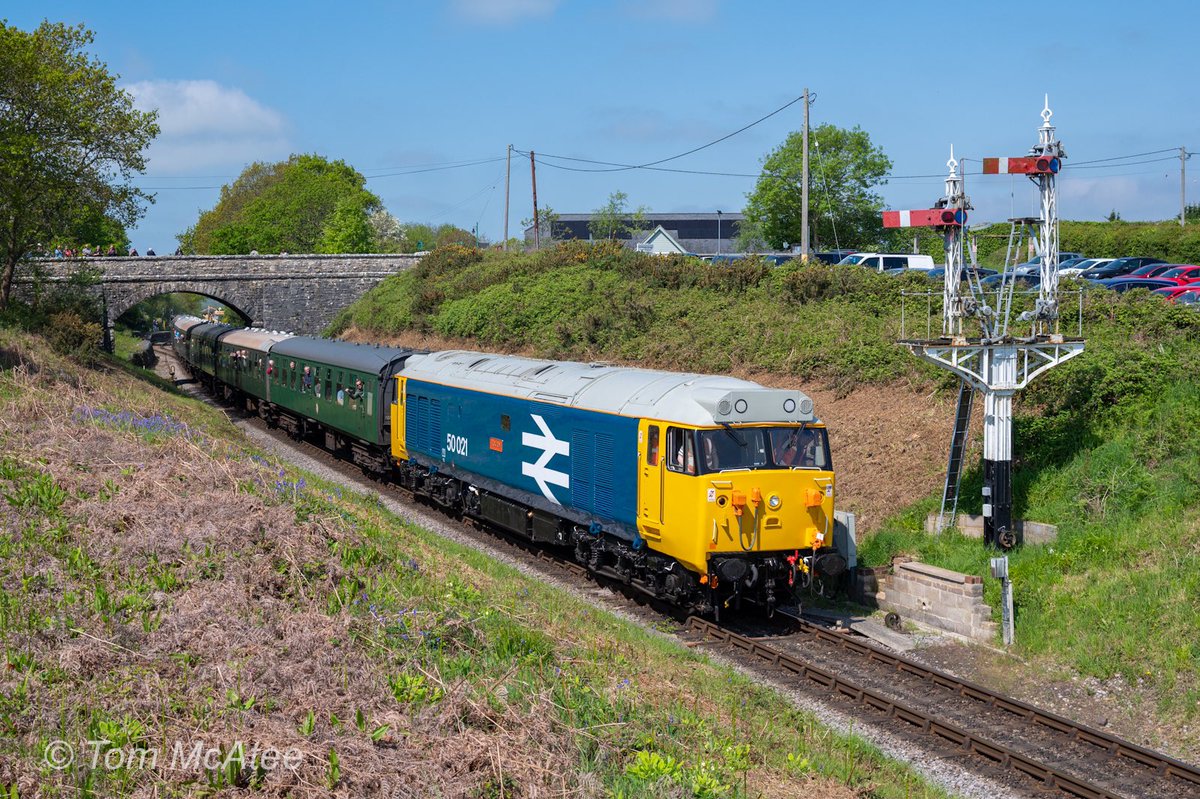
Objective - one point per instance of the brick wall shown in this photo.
(939, 598)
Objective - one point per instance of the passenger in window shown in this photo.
(788, 449)
(808, 450)
(357, 393)
(685, 456)
(306, 382)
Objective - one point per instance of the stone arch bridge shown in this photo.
(297, 293)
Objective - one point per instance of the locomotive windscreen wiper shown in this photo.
(736, 438)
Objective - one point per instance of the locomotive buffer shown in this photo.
(999, 360)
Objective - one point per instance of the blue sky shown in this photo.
(395, 87)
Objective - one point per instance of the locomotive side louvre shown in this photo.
(570, 462)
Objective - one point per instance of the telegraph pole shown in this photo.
(804, 186)
(537, 230)
(1183, 156)
(507, 181)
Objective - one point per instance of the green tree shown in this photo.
(614, 220)
(348, 229)
(304, 204)
(843, 208)
(70, 142)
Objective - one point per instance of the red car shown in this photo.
(1185, 295)
(1181, 275)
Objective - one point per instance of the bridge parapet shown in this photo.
(299, 293)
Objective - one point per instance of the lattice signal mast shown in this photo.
(1041, 165)
(995, 362)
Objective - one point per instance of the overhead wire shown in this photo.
(648, 164)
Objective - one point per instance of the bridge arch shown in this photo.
(119, 302)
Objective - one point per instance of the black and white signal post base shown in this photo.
(997, 370)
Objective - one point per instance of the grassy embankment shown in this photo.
(1107, 444)
(162, 582)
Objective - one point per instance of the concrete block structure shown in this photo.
(936, 597)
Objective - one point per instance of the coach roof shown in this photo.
(700, 400)
(370, 358)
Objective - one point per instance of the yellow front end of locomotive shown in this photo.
(734, 492)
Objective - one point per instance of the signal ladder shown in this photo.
(958, 448)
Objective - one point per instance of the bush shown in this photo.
(70, 334)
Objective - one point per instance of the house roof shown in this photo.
(661, 233)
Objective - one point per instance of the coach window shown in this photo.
(681, 451)
(328, 382)
(652, 446)
(505, 422)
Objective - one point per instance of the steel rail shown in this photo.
(1048, 774)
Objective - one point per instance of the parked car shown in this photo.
(1149, 270)
(886, 261)
(1078, 267)
(1121, 266)
(1181, 274)
(978, 272)
(1184, 295)
(831, 256)
(1121, 285)
(777, 260)
(1022, 281)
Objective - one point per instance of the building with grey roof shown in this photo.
(702, 233)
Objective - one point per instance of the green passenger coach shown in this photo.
(347, 388)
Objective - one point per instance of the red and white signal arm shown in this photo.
(1039, 165)
(933, 217)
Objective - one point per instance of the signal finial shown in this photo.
(1046, 113)
(952, 163)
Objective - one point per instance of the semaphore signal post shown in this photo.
(996, 361)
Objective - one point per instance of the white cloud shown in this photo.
(500, 12)
(205, 124)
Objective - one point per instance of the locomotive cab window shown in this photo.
(505, 422)
(800, 447)
(652, 446)
(681, 450)
(732, 448)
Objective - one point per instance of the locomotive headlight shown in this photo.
(773, 502)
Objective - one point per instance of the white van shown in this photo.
(883, 261)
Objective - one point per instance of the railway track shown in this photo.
(1048, 752)
(1039, 751)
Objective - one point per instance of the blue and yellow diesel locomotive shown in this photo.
(702, 490)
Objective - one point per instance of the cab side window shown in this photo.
(681, 450)
(652, 446)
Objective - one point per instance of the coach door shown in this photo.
(650, 483)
